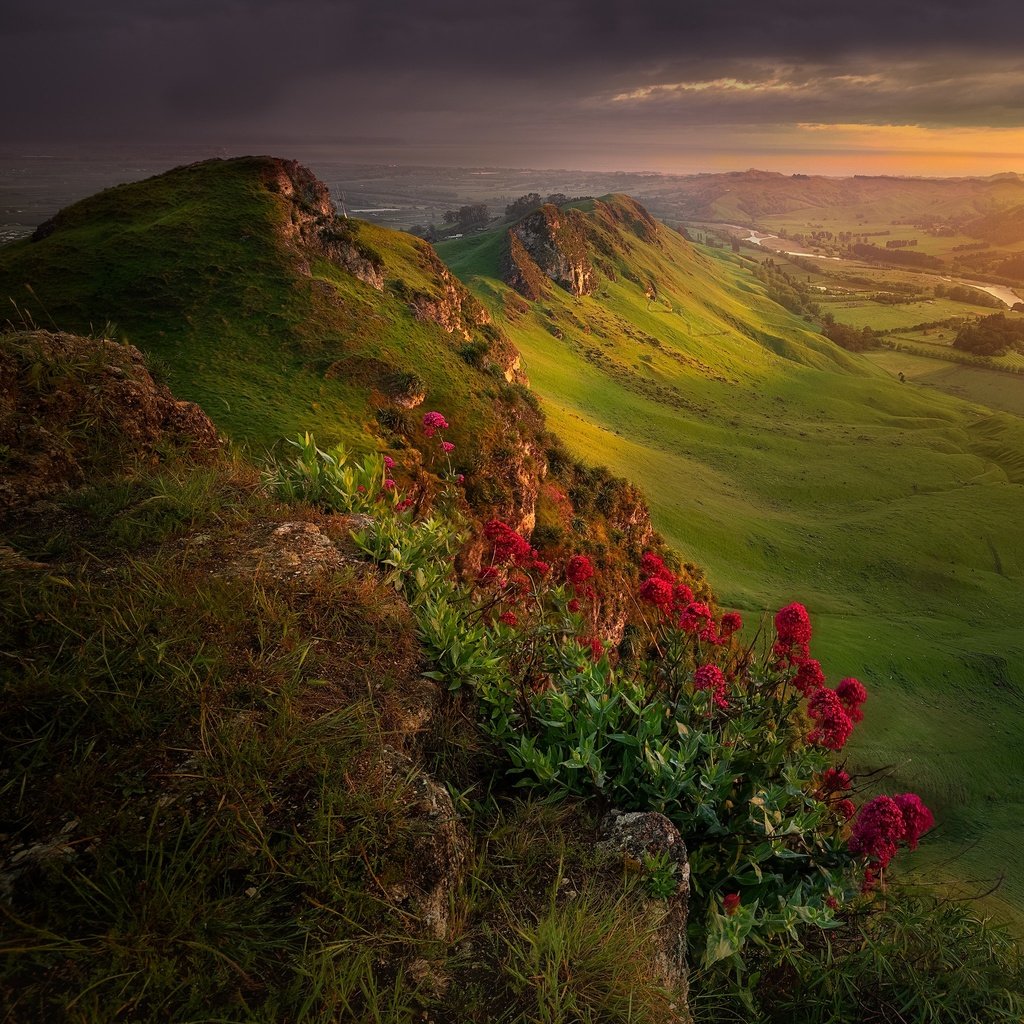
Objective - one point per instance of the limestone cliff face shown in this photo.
(313, 224)
(550, 244)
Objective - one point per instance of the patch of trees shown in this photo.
(465, 218)
(853, 339)
(991, 336)
(900, 243)
(962, 293)
(897, 256)
(785, 289)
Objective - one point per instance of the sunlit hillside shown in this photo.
(795, 470)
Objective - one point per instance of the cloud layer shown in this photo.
(565, 81)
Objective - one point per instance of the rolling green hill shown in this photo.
(793, 470)
(750, 196)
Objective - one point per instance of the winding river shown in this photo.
(1005, 295)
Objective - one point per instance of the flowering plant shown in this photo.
(735, 746)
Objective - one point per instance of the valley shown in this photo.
(793, 470)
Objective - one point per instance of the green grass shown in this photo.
(976, 384)
(195, 269)
(794, 471)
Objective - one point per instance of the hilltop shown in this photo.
(250, 296)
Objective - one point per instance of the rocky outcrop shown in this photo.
(429, 865)
(632, 517)
(313, 223)
(637, 837)
(552, 244)
(449, 304)
(624, 212)
(64, 398)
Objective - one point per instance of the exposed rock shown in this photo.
(632, 517)
(63, 399)
(314, 225)
(433, 868)
(637, 835)
(293, 550)
(292, 556)
(552, 242)
(26, 860)
(450, 306)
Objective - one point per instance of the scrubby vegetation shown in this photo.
(735, 748)
(991, 336)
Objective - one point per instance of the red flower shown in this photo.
(878, 830)
(709, 634)
(832, 723)
(835, 780)
(652, 565)
(389, 484)
(731, 623)
(710, 677)
(433, 422)
(447, 446)
(793, 624)
(917, 819)
(656, 591)
(846, 809)
(731, 903)
(694, 617)
(852, 693)
(579, 570)
(389, 463)
(507, 545)
(809, 676)
(509, 618)
(596, 645)
(682, 595)
(573, 605)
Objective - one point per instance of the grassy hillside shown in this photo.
(200, 268)
(793, 470)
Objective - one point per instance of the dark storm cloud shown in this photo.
(427, 71)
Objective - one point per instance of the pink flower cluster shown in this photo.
(710, 677)
(674, 600)
(833, 712)
(578, 570)
(433, 422)
(885, 822)
(852, 693)
(510, 549)
(793, 625)
(832, 725)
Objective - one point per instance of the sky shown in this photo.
(932, 87)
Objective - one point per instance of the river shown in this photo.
(1005, 295)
